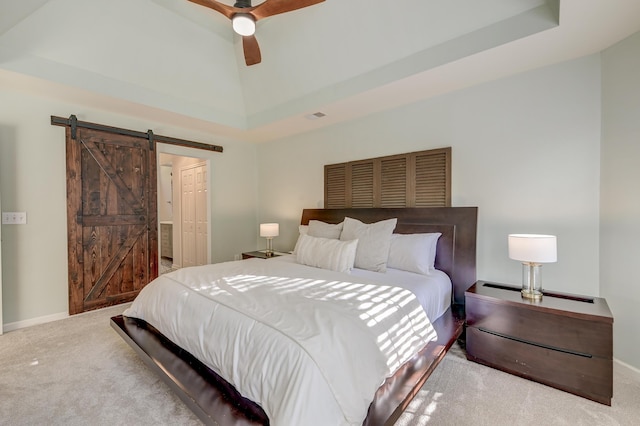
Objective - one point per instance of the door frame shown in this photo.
(206, 158)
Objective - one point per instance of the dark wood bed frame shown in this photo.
(216, 402)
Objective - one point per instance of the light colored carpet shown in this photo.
(78, 371)
(166, 266)
(460, 392)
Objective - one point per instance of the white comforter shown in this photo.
(310, 346)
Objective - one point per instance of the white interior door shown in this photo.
(194, 217)
(188, 217)
(202, 257)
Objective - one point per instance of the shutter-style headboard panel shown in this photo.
(415, 179)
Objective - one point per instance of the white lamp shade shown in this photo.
(533, 248)
(269, 230)
(243, 24)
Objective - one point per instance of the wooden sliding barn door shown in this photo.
(112, 223)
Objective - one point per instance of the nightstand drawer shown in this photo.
(587, 376)
(563, 340)
(544, 327)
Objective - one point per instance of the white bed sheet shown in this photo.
(266, 327)
(433, 291)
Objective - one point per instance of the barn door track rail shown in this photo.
(73, 122)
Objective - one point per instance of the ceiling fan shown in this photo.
(244, 17)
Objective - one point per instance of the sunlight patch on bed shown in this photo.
(380, 307)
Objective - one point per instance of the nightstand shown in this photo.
(258, 254)
(564, 341)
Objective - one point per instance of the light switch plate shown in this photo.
(14, 218)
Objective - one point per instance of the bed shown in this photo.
(215, 401)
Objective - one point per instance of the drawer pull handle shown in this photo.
(540, 345)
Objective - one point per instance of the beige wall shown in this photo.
(525, 150)
(32, 175)
(620, 204)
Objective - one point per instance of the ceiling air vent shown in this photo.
(315, 115)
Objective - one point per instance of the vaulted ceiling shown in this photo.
(179, 62)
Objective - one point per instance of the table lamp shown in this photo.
(532, 250)
(268, 231)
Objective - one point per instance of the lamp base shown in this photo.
(269, 251)
(531, 281)
(531, 295)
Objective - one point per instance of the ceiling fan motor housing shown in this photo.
(244, 16)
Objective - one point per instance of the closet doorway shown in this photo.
(183, 211)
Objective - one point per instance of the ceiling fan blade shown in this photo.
(251, 49)
(227, 11)
(276, 7)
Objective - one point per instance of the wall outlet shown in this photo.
(237, 257)
(14, 218)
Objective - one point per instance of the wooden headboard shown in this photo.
(456, 253)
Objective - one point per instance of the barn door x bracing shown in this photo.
(111, 217)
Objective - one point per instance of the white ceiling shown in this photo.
(177, 62)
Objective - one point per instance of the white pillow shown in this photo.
(324, 230)
(413, 252)
(302, 229)
(326, 253)
(373, 242)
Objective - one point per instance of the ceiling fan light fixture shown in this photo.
(244, 17)
(244, 24)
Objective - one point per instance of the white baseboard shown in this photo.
(53, 317)
(12, 326)
(630, 367)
